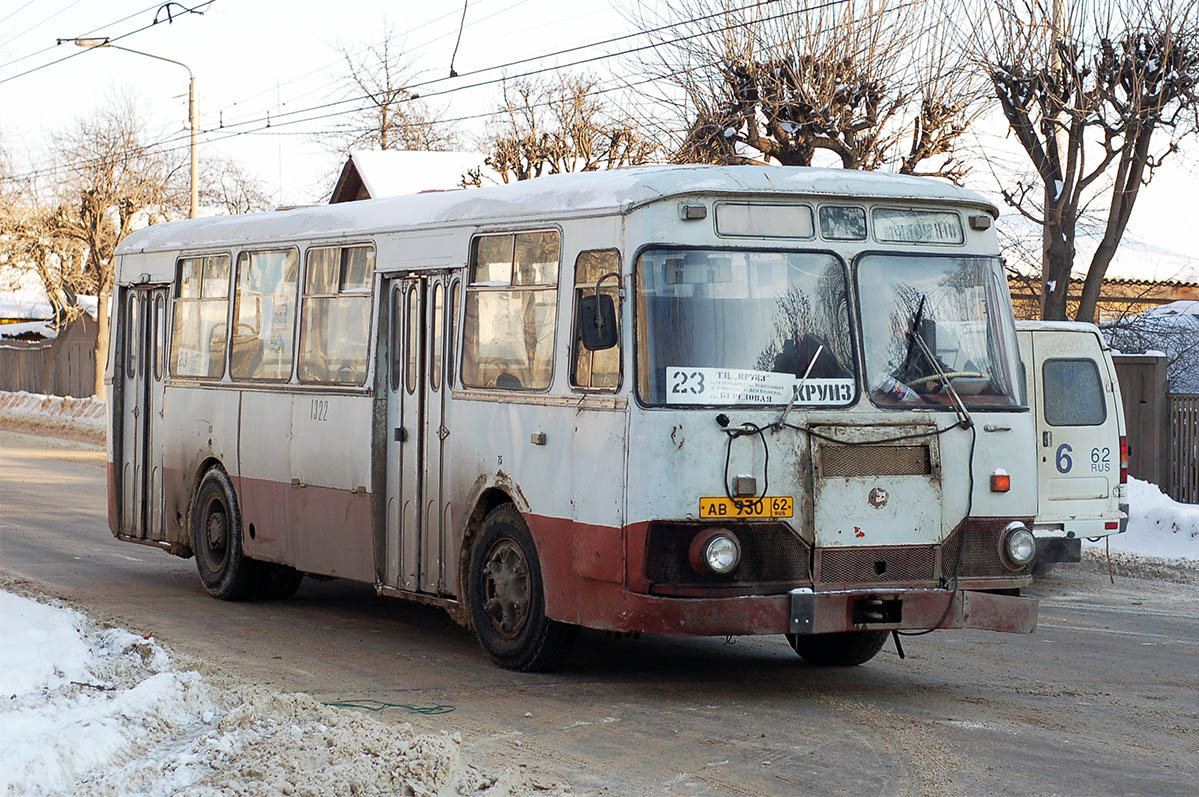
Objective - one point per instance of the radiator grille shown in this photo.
(877, 565)
(771, 553)
(845, 462)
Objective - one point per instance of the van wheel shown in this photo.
(843, 649)
(216, 540)
(277, 582)
(507, 601)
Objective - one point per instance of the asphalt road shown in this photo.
(1102, 699)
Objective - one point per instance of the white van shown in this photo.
(1082, 450)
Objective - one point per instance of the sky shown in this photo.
(254, 58)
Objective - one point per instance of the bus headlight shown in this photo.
(715, 551)
(1019, 546)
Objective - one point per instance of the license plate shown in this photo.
(767, 507)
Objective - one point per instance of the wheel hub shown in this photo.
(216, 530)
(506, 588)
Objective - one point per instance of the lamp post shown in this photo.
(192, 114)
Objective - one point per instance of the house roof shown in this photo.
(381, 173)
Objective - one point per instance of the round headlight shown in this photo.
(721, 554)
(1020, 547)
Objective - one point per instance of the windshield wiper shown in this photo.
(912, 333)
(959, 407)
(798, 385)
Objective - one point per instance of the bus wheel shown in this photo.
(843, 649)
(216, 540)
(277, 582)
(507, 602)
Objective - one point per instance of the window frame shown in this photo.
(468, 286)
(576, 346)
(174, 298)
(1098, 381)
(235, 305)
(872, 226)
(812, 214)
(368, 292)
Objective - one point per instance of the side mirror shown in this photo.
(597, 322)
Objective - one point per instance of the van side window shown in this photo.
(264, 315)
(595, 370)
(198, 317)
(335, 314)
(1073, 393)
(511, 311)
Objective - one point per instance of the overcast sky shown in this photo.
(252, 58)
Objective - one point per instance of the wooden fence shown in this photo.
(64, 366)
(1184, 447)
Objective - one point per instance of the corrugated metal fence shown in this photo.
(1184, 447)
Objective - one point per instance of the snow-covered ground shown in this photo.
(77, 418)
(87, 710)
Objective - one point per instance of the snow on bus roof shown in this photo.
(613, 191)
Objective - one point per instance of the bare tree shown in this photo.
(1097, 97)
(867, 84)
(555, 127)
(109, 181)
(389, 116)
(226, 185)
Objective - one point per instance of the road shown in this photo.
(1102, 699)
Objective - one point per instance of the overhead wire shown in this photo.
(106, 25)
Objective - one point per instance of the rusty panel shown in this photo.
(858, 461)
(598, 552)
(773, 558)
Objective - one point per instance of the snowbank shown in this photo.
(1157, 525)
(88, 710)
(79, 418)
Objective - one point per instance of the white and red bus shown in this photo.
(676, 400)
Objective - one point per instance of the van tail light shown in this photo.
(1123, 459)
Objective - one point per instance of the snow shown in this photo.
(63, 416)
(92, 710)
(399, 172)
(1157, 525)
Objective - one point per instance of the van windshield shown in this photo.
(735, 328)
(929, 318)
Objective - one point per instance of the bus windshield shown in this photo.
(928, 319)
(723, 327)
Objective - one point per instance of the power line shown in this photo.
(274, 123)
(145, 10)
(60, 11)
(195, 9)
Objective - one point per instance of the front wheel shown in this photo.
(507, 599)
(225, 571)
(844, 649)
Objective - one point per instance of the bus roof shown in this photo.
(543, 198)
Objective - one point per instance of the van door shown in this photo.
(419, 557)
(142, 372)
(1078, 437)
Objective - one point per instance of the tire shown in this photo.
(277, 582)
(225, 571)
(507, 600)
(844, 649)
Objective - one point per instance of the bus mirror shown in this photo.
(597, 321)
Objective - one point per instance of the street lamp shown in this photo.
(94, 42)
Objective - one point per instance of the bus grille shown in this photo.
(981, 557)
(898, 563)
(774, 559)
(846, 462)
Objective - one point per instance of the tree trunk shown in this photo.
(102, 333)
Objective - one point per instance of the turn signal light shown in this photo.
(1000, 482)
(1111, 524)
(1123, 459)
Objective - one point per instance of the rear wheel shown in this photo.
(843, 649)
(507, 599)
(216, 540)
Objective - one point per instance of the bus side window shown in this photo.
(453, 333)
(198, 317)
(335, 315)
(595, 370)
(264, 315)
(132, 336)
(436, 329)
(160, 334)
(511, 311)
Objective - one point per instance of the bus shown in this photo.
(682, 400)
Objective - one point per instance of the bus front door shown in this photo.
(418, 555)
(142, 371)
